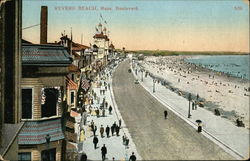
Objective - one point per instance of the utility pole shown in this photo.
(81, 38)
(189, 99)
(154, 85)
(142, 75)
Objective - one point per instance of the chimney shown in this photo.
(44, 25)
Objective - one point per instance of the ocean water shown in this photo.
(234, 65)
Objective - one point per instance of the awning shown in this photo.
(34, 132)
(74, 114)
(71, 84)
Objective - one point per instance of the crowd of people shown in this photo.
(228, 93)
(98, 108)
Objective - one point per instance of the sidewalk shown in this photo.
(114, 144)
(233, 139)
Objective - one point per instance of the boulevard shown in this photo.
(155, 137)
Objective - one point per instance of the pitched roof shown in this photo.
(34, 132)
(45, 55)
(9, 133)
(101, 36)
(95, 46)
(25, 41)
(76, 46)
(111, 46)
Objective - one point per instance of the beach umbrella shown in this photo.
(198, 121)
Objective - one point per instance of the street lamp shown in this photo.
(154, 81)
(189, 99)
(142, 75)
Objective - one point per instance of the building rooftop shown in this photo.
(111, 46)
(9, 133)
(34, 132)
(45, 55)
(77, 47)
(101, 36)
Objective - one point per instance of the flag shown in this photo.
(96, 29)
(43, 97)
(85, 84)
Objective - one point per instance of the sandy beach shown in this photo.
(216, 90)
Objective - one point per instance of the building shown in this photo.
(101, 40)
(44, 106)
(112, 53)
(10, 76)
(72, 80)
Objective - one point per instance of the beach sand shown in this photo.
(216, 90)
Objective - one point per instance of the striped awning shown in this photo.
(34, 132)
(71, 84)
(74, 114)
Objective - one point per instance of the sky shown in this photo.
(177, 25)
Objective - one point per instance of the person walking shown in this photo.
(199, 127)
(104, 152)
(132, 157)
(94, 130)
(95, 141)
(97, 112)
(124, 137)
(114, 124)
(165, 114)
(110, 109)
(103, 112)
(107, 131)
(85, 116)
(101, 131)
(112, 130)
(82, 135)
(92, 125)
(90, 110)
(117, 129)
(120, 123)
(127, 142)
(84, 157)
(193, 106)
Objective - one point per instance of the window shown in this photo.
(27, 103)
(49, 155)
(72, 96)
(24, 156)
(73, 77)
(49, 105)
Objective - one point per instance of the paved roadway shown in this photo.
(155, 137)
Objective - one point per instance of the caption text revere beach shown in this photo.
(95, 8)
